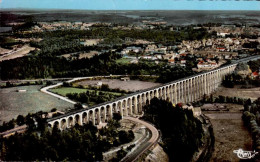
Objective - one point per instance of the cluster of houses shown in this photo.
(215, 45)
(206, 51)
(226, 29)
(170, 54)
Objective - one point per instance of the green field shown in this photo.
(123, 61)
(65, 90)
(94, 97)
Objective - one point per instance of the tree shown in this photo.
(20, 120)
(3, 151)
(66, 84)
(78, 106)
(53, 109)
(8, 84)
(123, 136)
(104, 87)
(117, 116)
(121, 154)
(29, 121)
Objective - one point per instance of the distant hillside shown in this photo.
(172, 17)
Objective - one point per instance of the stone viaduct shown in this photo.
(185, 90)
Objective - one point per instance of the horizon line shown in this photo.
(61, 9)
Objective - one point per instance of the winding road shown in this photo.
(142, 147)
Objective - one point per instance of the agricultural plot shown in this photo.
(132, 85)
(252, 93)
(17, 53)
(230, 134)
(13, 103)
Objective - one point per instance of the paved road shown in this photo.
(147, 144)
(13, 131)
(45, 90)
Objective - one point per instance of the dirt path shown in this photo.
(230, 134)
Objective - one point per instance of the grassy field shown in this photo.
(123, 61)
(65, 90)
(13, 103)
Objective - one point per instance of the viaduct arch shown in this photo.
(184, 90)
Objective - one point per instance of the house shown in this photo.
(150, 48)
(183, 61)
(134, 61)
(196, 111)
(148, 57)
(254, 75)
(171, 61)
(206, 65)
(221, 49)
(222, 34)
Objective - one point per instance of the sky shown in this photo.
(132, 4)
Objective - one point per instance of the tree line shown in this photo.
(161, 35)
(57, 67)
(92, 97)
(251, 118)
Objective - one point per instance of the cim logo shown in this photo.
(241, 154)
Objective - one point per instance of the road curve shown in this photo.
(13, 131)
(45, 89)
(134, 155)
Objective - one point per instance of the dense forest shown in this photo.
(181, 131)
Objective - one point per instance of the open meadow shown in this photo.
(13, 103)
